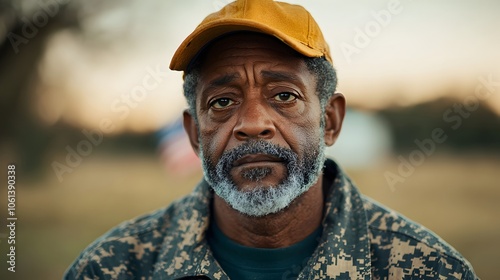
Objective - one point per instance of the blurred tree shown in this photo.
(25, 27)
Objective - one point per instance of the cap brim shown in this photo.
(205, 34)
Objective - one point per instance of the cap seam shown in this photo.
(245, 8)
(309, 35)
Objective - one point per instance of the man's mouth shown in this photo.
(256, 159)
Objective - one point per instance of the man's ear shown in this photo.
(334, 116)
(192, 131)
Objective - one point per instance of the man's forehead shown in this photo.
(225, 79)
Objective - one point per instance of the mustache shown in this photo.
(228, 158)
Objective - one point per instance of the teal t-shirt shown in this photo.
(242, 262)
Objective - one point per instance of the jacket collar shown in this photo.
(344, 248)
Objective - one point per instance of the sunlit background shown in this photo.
(90, 116)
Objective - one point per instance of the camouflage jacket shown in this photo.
(360, 240)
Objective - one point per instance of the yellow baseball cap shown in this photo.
(292, 24)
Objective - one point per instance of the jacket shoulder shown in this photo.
(400, 246)
(131, 248)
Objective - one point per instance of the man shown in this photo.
(260, 85)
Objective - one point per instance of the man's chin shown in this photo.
(249, 186)
(245, 183)
(258, 200)
(248, 179)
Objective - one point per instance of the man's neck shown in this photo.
(278, 230)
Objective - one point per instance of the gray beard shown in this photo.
(263, 200)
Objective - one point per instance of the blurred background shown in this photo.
(90, 117)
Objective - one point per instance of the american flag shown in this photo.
(176, 152)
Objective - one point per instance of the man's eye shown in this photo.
(285, 96)
(221, 103)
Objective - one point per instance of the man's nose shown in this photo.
(254, 122)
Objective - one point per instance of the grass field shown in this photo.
(456, 197)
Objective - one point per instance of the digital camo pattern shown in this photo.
(360, 240)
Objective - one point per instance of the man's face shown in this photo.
(259, 123)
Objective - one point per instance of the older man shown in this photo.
(260, 85)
